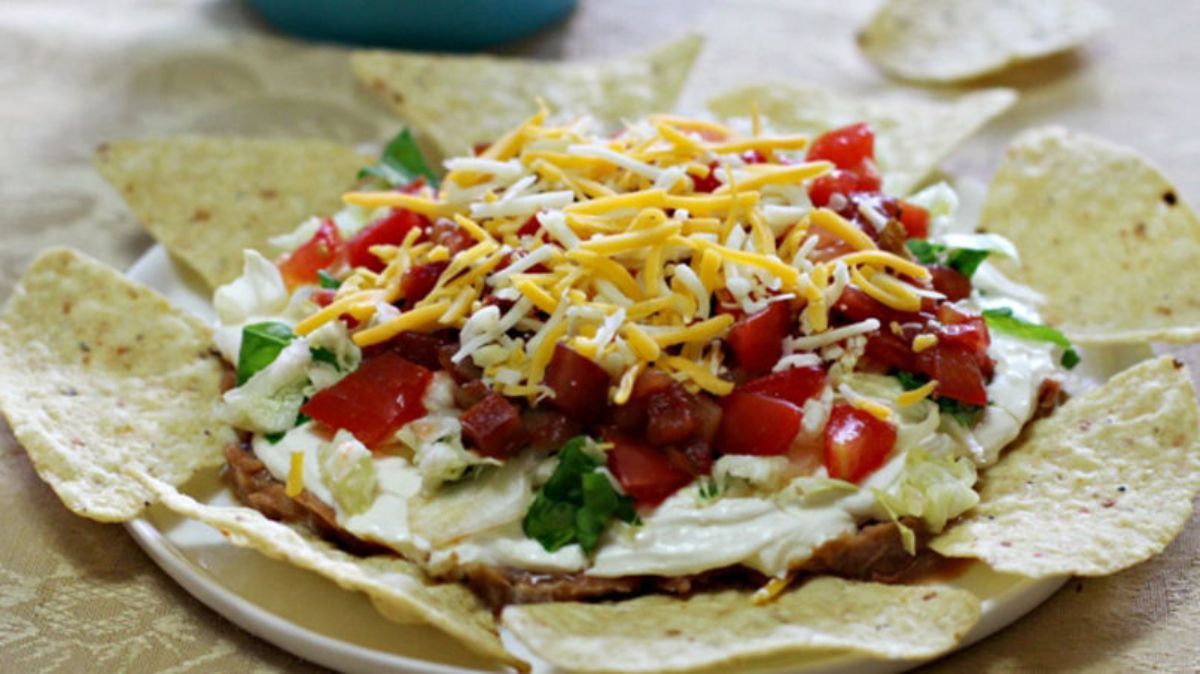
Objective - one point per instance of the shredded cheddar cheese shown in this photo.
(631, 248)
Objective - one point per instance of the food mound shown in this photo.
(671, 358)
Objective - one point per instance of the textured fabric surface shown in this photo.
(81, 596)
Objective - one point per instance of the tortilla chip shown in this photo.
(665, 634)
(398, 588)
(911, 135)
(98, 372)
(1102, 234)
(1103, 484)
(209, 198)
(459, 101)
(954, 40)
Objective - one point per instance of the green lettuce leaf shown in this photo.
(576, 504)
(401, 163)
(1003, 320)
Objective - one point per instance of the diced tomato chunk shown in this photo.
(375, 400)
(708, 183)
(391, 229)
(796, 384)
(856, 443)
(493, 425)
(950, 282)
(416, 347)
(846, 147)
(757, 340)
(855, 305)
(915, 220)
(580, 386)
(887, 351)
(752, 423)
(325, 249)
(323, 297)
(418, 281)
(837, 181)
(531, 227)
(643, 471)
(670, 416)
(447, 233)
(957, 372)
(852, 150)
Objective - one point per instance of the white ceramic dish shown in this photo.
(312, 618)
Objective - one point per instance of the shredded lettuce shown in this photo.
(270, 400)
(930, 488)
(963, 260)
(739, 474)
(348, 472)
(438, 452)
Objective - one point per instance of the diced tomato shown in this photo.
(887, 351)
(837, 181)
(418, 281)
(796, 384)
(463, 370)
(580, 386)
(670, 416)
(950, 282)
(915, 220)
(470, 393)
(753, 157)
(375, 400)
(964, 329)
(389, 230)
(447, 233)
(852, 150)
(856, 443)
(493, 425)
(846, 147)
(323, 297)
(757, 340)
(416, 347)
(855, 305)
(829, 245)
(752, 423)
(957, 372)
(708, 183)
(643, 471)
(531, 227)
(325, 249)
(548, 429)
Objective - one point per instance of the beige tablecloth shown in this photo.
(80, 596)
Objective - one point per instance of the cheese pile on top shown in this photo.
(636, 250)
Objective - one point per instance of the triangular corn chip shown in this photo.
(1103, 235)
(911, 135)
(459, 101)
(398, 588)
(1103, 484)
(98, 373)
(209, 199)
(954, 40)
(666, 634)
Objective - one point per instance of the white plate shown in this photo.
(314, 619)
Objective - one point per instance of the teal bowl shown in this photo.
(438, 25)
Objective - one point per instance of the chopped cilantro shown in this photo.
(401, 163)
(327, 280)
(963, 260)
(709, 489)
(261, 345)
(910, 381)
(576, 503)
(1003, 320)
